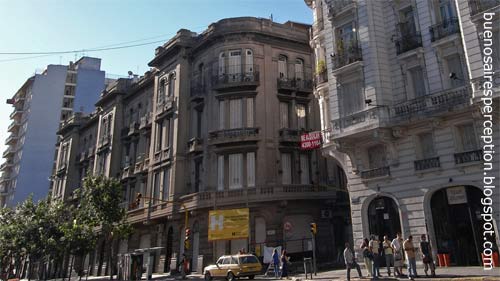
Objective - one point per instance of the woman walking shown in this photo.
(367, 255)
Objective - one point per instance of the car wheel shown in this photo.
(207, 276)
(231, 277)
(251, 277)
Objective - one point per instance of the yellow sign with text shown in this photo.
(228, 224)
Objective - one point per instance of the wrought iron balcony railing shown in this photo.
(295, 84)
(469, 156)
(289, 135)
(478, 6)
(427, 163)
(432, 104)
(443, 29)
(375, 173)
(237, 75)
(346, 56)
(408, 39)
(234, 133)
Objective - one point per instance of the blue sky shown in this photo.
(60, 25)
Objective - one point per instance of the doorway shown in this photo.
(383, 218)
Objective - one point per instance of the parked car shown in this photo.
(233, 267)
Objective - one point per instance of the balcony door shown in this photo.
(445, 11)
(248, 65)
(234, 66)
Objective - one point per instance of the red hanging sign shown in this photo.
(310, 140)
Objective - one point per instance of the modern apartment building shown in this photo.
(214, 125)
(40, 105)
(400, 87)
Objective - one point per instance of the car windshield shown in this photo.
(248, 259)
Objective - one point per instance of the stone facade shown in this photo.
(400, 106)
(215, 125)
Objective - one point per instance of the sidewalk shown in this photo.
(443, 274)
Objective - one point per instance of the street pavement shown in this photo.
(443, 274)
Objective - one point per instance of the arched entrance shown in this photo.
(168, 247)
(383, 217)
(456, 215)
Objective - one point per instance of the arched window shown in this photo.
(282, 67)
(299, 69)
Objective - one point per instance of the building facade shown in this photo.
(400, 94)
(40, 105)
(216, 125)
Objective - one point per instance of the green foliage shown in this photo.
(321, 67)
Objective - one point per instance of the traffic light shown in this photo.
(314, 230)
(186, 239)
(138, 198)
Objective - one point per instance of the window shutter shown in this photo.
(220, 172)
(427, 145)
(304, 169)
(250, 111)
(468, 137)
(418, 81)
(222, 64)
(235, 114)
(286, 167)
(251, 169)
(166, 183)
(284, 115)
(235, 170)
(376, 156)
(221, 115)
(282, 68)
(299, 70)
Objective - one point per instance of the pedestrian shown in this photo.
(397, 245)
(276, 263)
(374, 246)
(389, 254)
(284, 264)
(410, 257)
(426, 251)
(367, 255)
(350, 262)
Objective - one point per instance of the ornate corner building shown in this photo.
(214, 125)
(399, 90)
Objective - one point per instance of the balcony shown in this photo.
(376, 173)
(431, 105)
(479, 6)
(444, 29)
(408, 39)
(138, 167)
(195, 145)
(5, 178)
(6, 165)
(16, 114)
(234, 135)
(145, 121)
(198, 91)
(337, 7)
(14, 126)
(12, 139)
(364, 117)
(469, 156)
(239, 76)
(295, 84)
(8, 152)
(133, 129)
(127, 171)
(428, 163)
(164, 105)
(346, 56)
(321, 78)
(289, 135)
(257, 194)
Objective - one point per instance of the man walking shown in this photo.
(388, 252)
(350, 262)
(374, 248)
(397, 245)
(411, 257)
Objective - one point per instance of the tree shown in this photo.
(100, 208)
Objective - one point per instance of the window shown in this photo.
(155, 191)
(234, 65)
(220, 172)
(286, 167)
(235, 114)
(161, 91)
(304, 169)
(352, 98)
(376, 157)
(301, 116)
(171, 85)
(197, 175)
(408, 20)
(251, 169)
(222, 115)
(467, 137)
(284, 112)
(166, 184)
(299, 69)
(426, 144)
(235, 171)
(445, 10)
(222, 64)
(455, 66)
(346, 36)
(417, 80)
(241, 114)
(282, 67)
(159, 135)
(248, 63)
(250, 112)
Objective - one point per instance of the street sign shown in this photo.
(310, 140)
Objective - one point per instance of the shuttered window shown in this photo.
(286, 167)
(235, 171)
(376, 156)
(220, 172)
(166, 184)
(222, 64)
(251, 169)
(455, 66)
(284, 122)
(235, 114)
(426, 145)
(299, 70)
(352, 98)
(250, 112)
(304, 169)
(417, 79)
(282, 71)
(467, 137)
(222, 115)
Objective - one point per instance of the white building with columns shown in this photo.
(400, 84)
